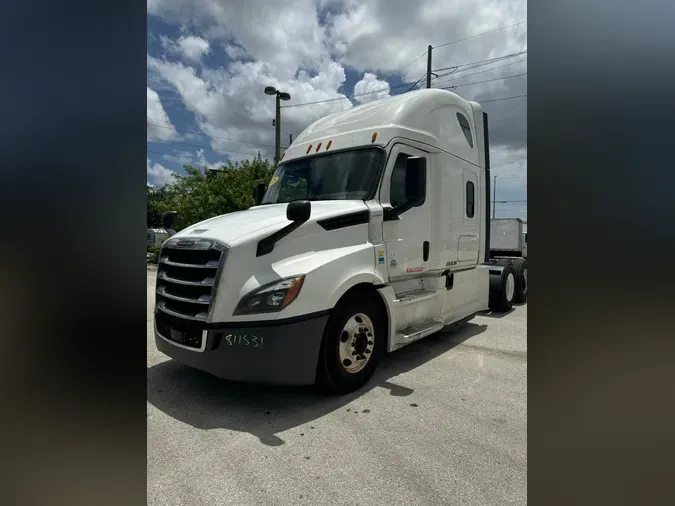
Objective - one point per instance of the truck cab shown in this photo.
(372, 233)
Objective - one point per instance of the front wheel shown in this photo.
(352, 344)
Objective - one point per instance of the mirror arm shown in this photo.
(392, 213)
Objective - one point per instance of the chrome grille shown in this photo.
(187, 275)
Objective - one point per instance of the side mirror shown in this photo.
(299, 211)
(415, 187)
(169, 221)
(259, 193)
(415, 180)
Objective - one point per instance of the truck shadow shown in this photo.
(494, 314)
(206, 402)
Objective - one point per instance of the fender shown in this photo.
(348, 282)
(328, 275)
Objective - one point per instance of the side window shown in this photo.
(470, 202)
(397, 186)
(466, 128)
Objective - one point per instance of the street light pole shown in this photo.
(277, 134)
(280, 95)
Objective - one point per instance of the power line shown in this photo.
(479, 72)
(205, 146)
(456, 70)
(408, 65)
(193, 157)
(214, 136)
(456, 41)
(478, 35)
(481, 82)
(375, 92)
(417, 82)
(486, 62)
(347, 97)
(503, 98)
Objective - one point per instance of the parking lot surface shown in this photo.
(443, 422)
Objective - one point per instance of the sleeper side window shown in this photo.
(466, 128)
(470, 199)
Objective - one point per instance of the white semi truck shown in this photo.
(508, 243)
(373, 233)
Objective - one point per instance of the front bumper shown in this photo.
(275, 352)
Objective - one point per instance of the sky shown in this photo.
(210, 60)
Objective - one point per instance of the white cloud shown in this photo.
(386, 35)
(203, 162)
(304, 46)
(235, 52)
(158, 175)
(159, 126)
(189, 47)
(195, 159)
(180, 157)
(231, 107)
(371, 88)
(193, 48)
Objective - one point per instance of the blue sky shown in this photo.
(209, 60)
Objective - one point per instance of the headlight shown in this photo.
(270, 298)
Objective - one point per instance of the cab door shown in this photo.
(407, 237)
(468, 247)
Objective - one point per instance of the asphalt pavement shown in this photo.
(443, 422)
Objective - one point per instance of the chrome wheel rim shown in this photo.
(356, 343)
(510, 286)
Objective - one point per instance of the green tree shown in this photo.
(200, 195)
(156, 198)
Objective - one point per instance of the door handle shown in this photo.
(425, 250)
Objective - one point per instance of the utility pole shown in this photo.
(290, 139)
(494, 197)
(429, 66)
(280, 95)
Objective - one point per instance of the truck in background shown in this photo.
(508, 243)
(373, 233)
(156, 236)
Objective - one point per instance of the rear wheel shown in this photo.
(352, 344)
(501, 299)
(521, 280)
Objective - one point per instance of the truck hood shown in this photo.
(259, 221)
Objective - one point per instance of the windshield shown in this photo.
(346, 175)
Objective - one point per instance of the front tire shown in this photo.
(352, 344)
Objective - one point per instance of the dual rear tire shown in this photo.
(503, 289)
(520, 266)
(509, 286)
